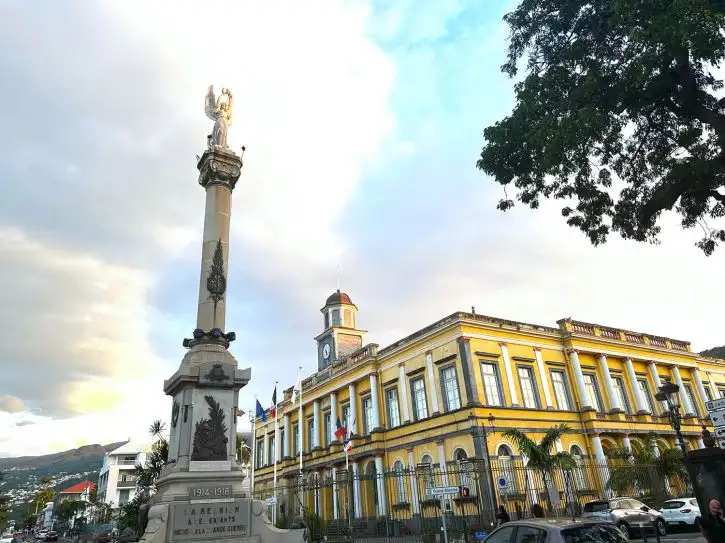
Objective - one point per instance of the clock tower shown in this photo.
(340, 336)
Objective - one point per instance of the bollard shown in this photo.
(643, 531)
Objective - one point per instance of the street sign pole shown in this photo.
(443, 518)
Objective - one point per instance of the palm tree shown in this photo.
(644, 469)
(244, 451)
(539, 455)
(157, 458)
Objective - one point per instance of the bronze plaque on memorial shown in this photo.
(212, 520)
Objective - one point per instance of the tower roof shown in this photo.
(337, 298)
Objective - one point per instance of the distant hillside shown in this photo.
(21, 475)
(715, 352)
(47, 460)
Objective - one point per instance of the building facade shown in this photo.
(79, 492)
(443, 396)
(117, 478)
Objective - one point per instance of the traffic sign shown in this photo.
(721, 443)
(503, 482)
(718, 418)
(272, 500)
(714, 405)
(720, 432)
(442, 491)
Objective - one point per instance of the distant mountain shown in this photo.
(21, 475)
(715, 352)
(47, 460)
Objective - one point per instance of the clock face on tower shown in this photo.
(326, 351)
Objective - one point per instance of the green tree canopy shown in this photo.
(155, 461)
(616, 89)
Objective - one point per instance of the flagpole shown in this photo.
(299, 418)
(254, 446)
(277, 447)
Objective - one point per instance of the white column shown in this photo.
(528, 483)
(559, 446)
(614, 403)
(598, 450)
(442, 462)
(579, 377)
(403, 392)
(382, 498)
(357, 503)
(335, 513)
(433, 394)
(277, 444)
(509, 375)
(375, 401)
(658, 383)
(687, 406)
(642, 407)
(316, 429)
(333, 416)
(656, 450)
(711, 384)
(353, 406)
(626, 443)
(286, 444)
(266, 448)
(544, 378)
(413, 483)
(699, 385)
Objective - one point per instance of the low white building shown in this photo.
(46, 516)
(117, 479)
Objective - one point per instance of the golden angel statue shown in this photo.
(220, 111)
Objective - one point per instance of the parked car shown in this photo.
(556, 530)
(681, 512)
(629, 515)
(40, 536)
(51, 535)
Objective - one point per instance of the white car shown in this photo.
(682, 512)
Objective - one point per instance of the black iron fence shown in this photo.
(345, 505)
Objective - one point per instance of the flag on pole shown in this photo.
(260, 414)
(297, 390)
(340, 431)
(240, 413)
(273, 409)
(350, 432)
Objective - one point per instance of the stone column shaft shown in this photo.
(544, 378)
(335, 512)
(403, 397)
(642, 407)
(357, 502)
(657, 381)
(431, 383)
(316, 425)
(413, 483)
(614, 403)
(333, 416)
(699, 385)
(286, 445)
(382, 496)
(375, 400)
(508, 368)
(353, 405)
(442, 462)
(586, 402)
(687, 406)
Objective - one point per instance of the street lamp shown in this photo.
(669, 393)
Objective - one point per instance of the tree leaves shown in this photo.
(618, 112)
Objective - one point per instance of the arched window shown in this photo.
(580, 476)
(506, 470)
(399, 471)
(463, 465)
(426, 467)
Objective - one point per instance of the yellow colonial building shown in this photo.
(443, 396)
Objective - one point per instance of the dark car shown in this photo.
(630, 515)
(556, 530)
(51, 536)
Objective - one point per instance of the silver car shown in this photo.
(630, 515)
(556, 530)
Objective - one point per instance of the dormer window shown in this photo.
(336, 317)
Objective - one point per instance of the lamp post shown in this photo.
(481, 432)
(668, 393)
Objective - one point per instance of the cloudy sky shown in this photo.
(362, 125)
